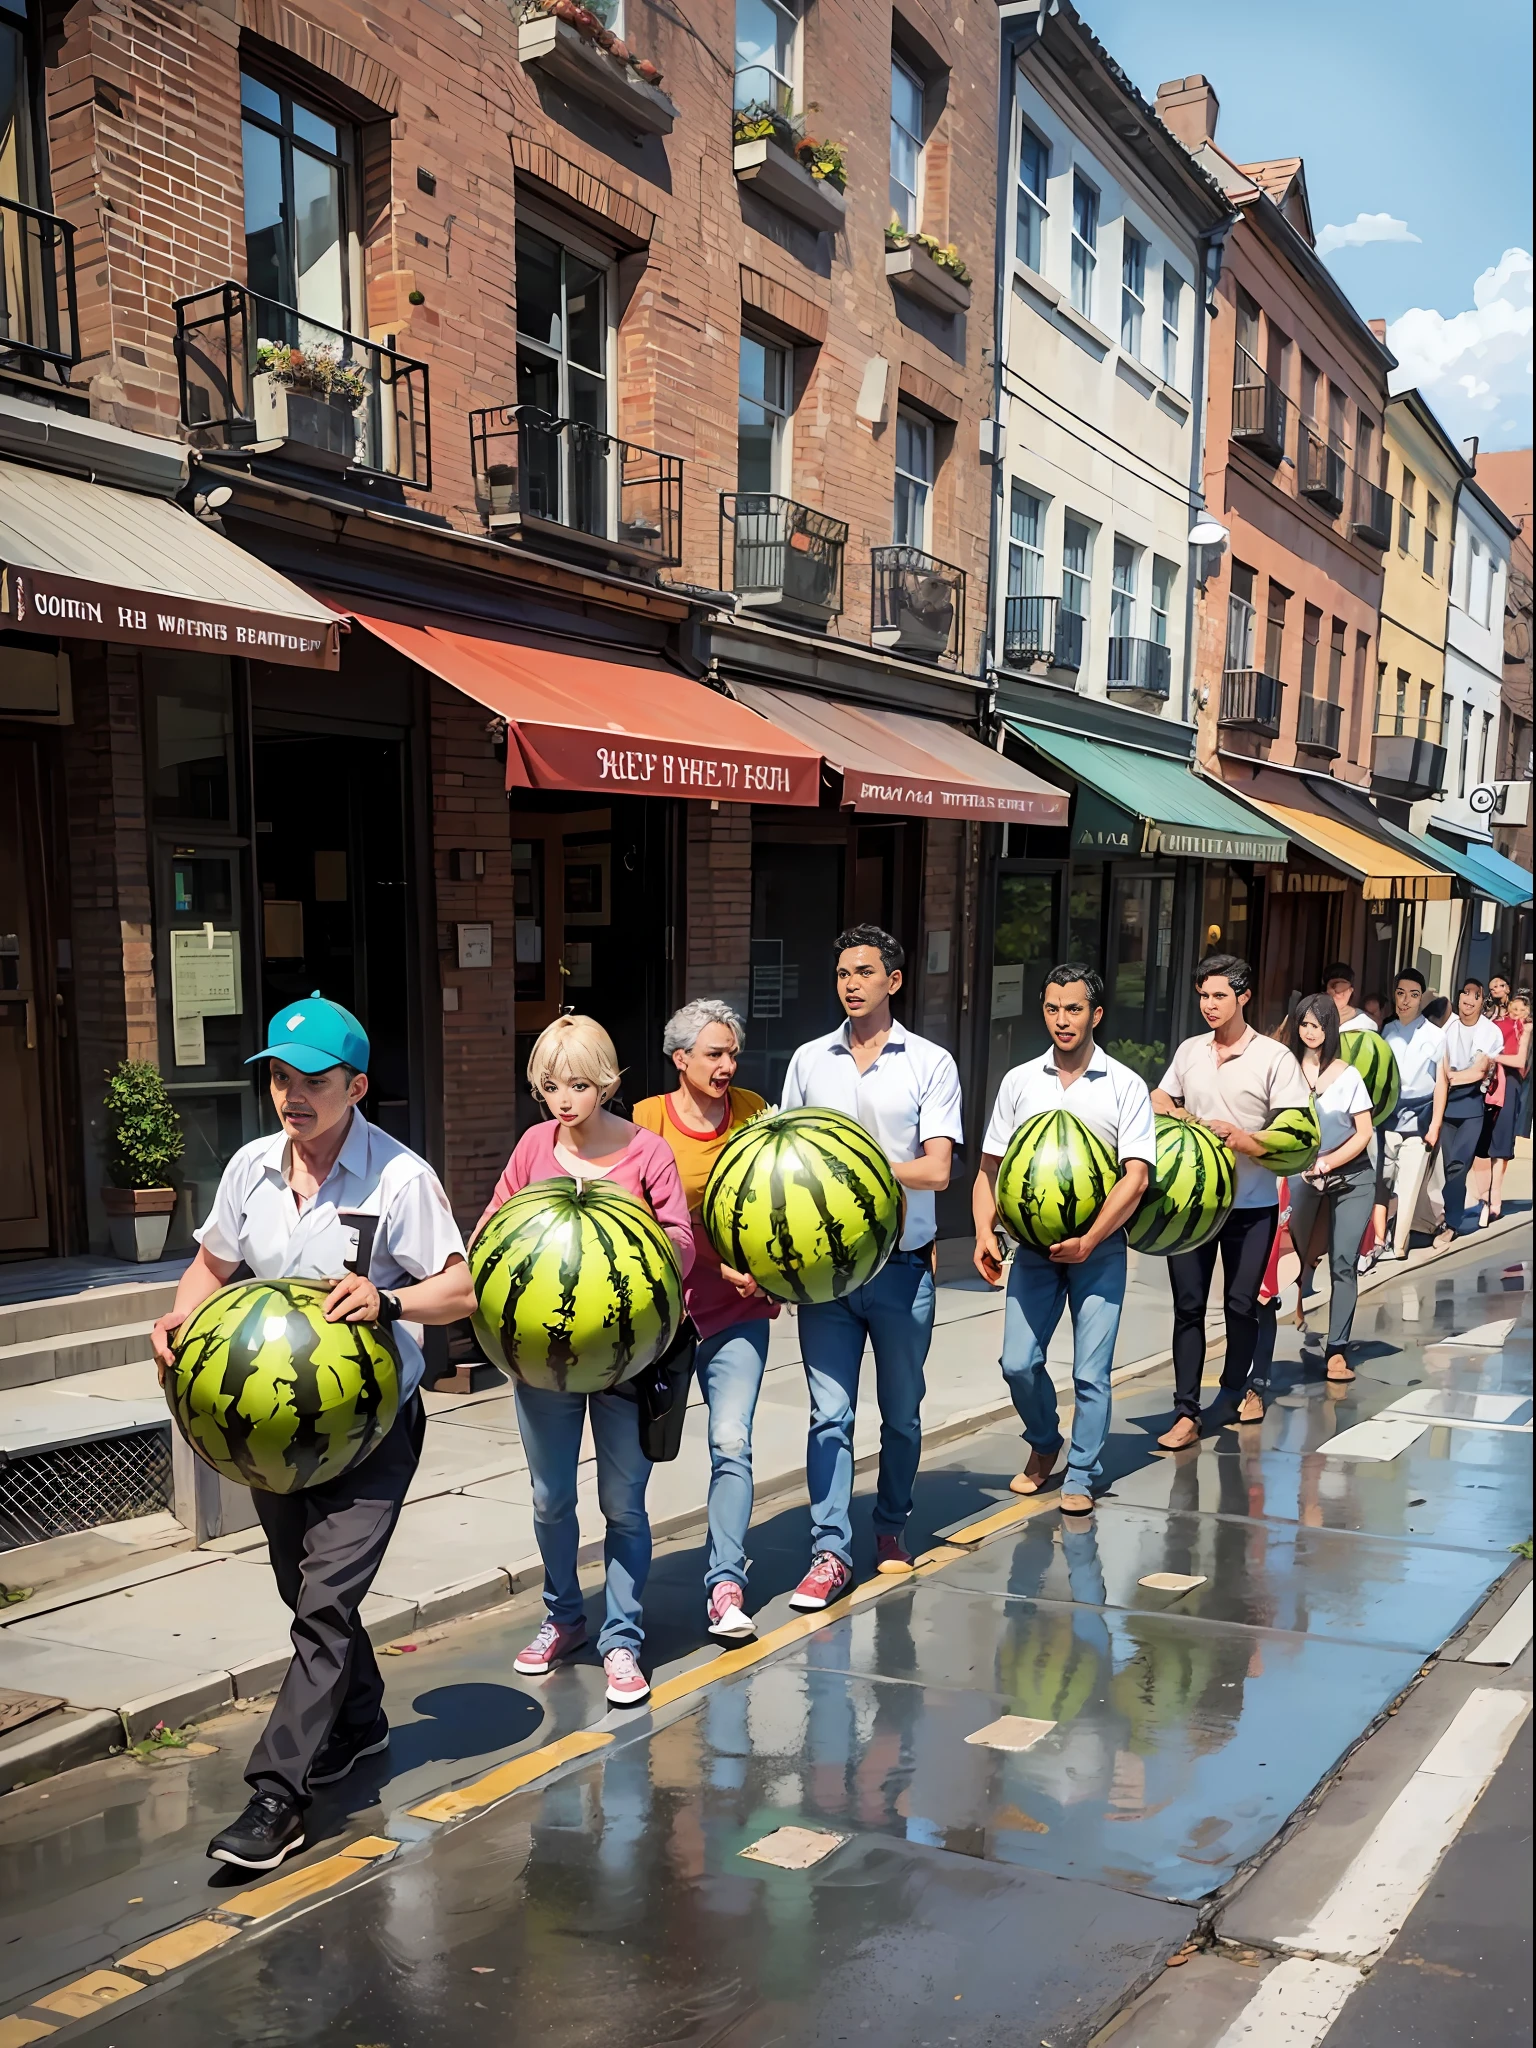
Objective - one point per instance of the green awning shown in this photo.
(1489, 873)
(1134, 803)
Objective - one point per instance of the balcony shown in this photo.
(1258, 411)
(38, 327)
(1037, 629)
(1250, 702)
(772, 154)
(1144, 665)
(917, 603)
(266, 379)
(1319, 725)
(783, 558)
(564, 482)
(1370, 514)
(1320, 469)
(1406, 763)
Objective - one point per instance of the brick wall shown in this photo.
(943, 858)
(719, 903)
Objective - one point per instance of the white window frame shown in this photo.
(790, 80)
(1134, 252)
(1082, 577)
(919, 488)
(1125, 562)
(555, 230)
(1171, 334)
(1026, 557)
(1036, 205)
(1165, 577)
(915, 190)
(1085, 254)
(783, 448)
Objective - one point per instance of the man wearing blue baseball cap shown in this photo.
(331, 1197)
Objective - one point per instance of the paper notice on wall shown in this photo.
(187, 1038)
(1008, 991)
(205, 974)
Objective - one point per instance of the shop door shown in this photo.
(24, 1010)
(1138, 1003)
(1023, 951)
(797, 913)
(335, 906)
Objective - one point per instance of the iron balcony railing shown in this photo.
(1321, 469)
(916, 603)
(1250, 702)
(560, 479)
(1371, 513)
(1144, 665)
(1318, 725)
(38, 322)
(1258, 410)
(260, 375)
(782, 556)
(1039, 629)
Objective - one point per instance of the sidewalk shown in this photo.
(129, 1627)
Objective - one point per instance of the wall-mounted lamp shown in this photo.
(207, 504)
(1208, 540)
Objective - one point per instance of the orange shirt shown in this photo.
(712, 1302)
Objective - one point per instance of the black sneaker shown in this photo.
(269, 1829)
(345, 1747)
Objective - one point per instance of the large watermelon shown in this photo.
(578, 1285)
(1189, 1192)
(271, 1394)
(1055, 1178)
(805, 1201)
(1291, 1143)
(1369, 1053)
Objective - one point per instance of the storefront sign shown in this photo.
(576, 757)
(1102, 831)
(1198, 844)
(33, 601)
(911, 796)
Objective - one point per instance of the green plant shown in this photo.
(1522, 1549)
(757, 120)
(945, 254)
(826, 160)
(1150, 1061)
(320, 370)
(159, 1739)
(144, 1136)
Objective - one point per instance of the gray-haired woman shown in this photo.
(729, 1310)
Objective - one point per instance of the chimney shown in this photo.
(1379, 329)
(1189, 107)
(1469, 448)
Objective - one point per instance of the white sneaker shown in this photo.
(1367, 1260)
(728, 1617)
(627, 1683)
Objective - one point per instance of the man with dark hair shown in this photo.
(1086, 1273)
(905, 1091)
(1423, 1081)
(1234, 1082)
(1472, 1048)
(1339, 982)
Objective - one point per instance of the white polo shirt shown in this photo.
(1362, 1020)
(1111, 1100)
(909, 1093)
(1419, 1049)
(256, 1221)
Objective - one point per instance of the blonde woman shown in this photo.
(573, 1070)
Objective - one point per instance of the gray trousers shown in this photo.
(326, 1545)
(1348, 1215)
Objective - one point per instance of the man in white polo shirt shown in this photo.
(1472, 1048)
(905, 1091)
(1423, 1079)
(1086, 1273)
(1339, 982)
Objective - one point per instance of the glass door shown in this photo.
(1138, 1004)
(1024, 948)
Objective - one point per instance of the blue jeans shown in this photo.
(730, 1368)
(550, 1425)
(895, 1312)
(1037, 1293)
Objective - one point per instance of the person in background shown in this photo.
(1423, 1084)
(1501, 1114)
(1520, 1009)
(1375, 1009)
(1339, 985)
(905, 1091)
(573, 1071)
(704, 1041)
(1437, 1009)
(1472, 1047)
(1342, 1180)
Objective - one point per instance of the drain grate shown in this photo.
(79, 1486)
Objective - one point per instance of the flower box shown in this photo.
(554, 49)
(325, 428)
(138, 1220)
(771, 171)
(912, 270)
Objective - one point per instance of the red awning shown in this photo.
(911, 767)
(581, 721)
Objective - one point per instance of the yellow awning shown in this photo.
(1383, 872)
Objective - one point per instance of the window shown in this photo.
(1163, 575)
(298, 166)
(1365, 447)
(1403, 680)
(1274, 629)
(906, 146)
(1173, 295)
(1034, 171)
(1336, 644)
(1431, 531)
(1405, 510)
(1076, 566)
(762, 415)
(1311, 386)
(1311, 640)
(1026, 544)
(1240, 618)
(1482, 752)
(1338, 429)
(1122, 592)
(1480, 584)
(1426, 708)
(1247, 333)
(1466, 740)
(914, 479)
(1357, 696)
(765, 54)
(21, 119)
(562, 331)
(1133, 291)
(1085, 243)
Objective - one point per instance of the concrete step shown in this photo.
(38, 1359)
(91, 1309)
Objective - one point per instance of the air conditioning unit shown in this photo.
(1512, 803)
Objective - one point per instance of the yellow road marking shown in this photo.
(268, 1899)
(181, 1945)
(510, 1777)
(88, 1994)
(994, 1525)
(16, 2033)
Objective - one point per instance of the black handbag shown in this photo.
(661, 1394)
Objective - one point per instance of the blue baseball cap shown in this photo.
(314, 1035)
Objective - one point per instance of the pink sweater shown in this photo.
(645, 1169)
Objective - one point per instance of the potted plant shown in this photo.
(944, 254)
(308, 395)
(144, 1141)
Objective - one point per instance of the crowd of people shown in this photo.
(332, 1195)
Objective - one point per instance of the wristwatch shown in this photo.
(390, 1310)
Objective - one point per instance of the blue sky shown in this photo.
(1418, 113)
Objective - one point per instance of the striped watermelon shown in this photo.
(805, 1201)
(1369, 1053)
(1054, 1179)
(271, 1395)
(1291, 1143)
(1189, 1193)
(578, 1284)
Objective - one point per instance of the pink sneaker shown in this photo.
(827, 1577)
(728, 1617)
(553, 1641)
(627, 1683)
(892, 1555)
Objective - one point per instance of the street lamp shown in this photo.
(1209, 540)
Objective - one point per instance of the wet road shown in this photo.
(1024, 1772)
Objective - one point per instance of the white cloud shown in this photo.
(1474, 368)
(1365, 227)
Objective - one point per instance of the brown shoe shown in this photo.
(1039, 1469)
(1077, 1503)
(1338, 1368)
(1185, 1431)
(1250, 1408)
